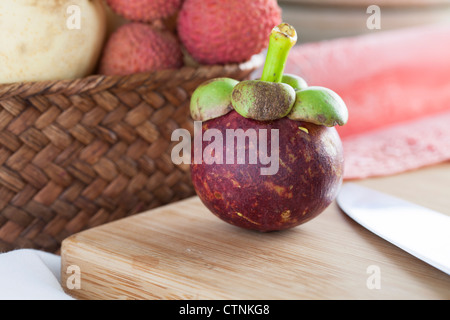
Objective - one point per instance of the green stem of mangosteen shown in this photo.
(282, 38)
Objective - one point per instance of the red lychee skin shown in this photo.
(222, 32)
(137, 47)
(309, 176)
(145, 10)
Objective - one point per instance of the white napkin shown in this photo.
(28, 274)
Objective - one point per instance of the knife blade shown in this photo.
(420, 231)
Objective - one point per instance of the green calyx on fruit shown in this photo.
(320, 106)
(262, 100)
(212, 99)
(274, 96)
(296, 82)
(268, 98)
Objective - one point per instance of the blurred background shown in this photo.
(317, 20)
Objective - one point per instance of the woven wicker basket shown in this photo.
(76, 154)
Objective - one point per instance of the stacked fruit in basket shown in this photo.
(164, 34)
(56, 40)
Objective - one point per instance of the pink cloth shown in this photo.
(398, 148)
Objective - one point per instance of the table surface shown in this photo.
(182, 251)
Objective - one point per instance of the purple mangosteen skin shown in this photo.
(309, 176)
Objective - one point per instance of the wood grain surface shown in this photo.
(182, 251)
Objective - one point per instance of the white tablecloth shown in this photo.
(28, 274)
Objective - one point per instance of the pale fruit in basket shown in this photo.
(50, 39)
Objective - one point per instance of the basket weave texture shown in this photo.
(76, 154)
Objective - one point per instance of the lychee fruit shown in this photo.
(145, 10)
(209, 29)
(138, 47)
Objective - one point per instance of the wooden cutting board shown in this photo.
(182, 251)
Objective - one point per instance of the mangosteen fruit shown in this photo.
(268, 157)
